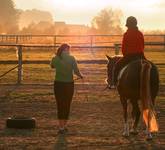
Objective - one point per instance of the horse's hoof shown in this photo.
(149, 137)
(125, 134)
(133, 132)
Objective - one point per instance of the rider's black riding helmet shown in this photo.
(131, 22)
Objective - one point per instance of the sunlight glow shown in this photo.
(82, 11)
(145, 6)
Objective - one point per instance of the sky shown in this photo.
(149, 13)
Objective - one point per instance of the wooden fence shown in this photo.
(20, 47)
(23, 39)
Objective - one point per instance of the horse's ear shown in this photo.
(108, 57)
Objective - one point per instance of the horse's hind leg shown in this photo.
(135, 116)
(126, 125)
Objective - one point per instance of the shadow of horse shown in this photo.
(61, 143)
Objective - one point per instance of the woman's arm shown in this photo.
(76, 69)
(52, 63)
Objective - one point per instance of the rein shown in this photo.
(83, 83)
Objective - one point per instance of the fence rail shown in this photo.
(1, 76)
(18, 38)
(20, 47)
(70, 35)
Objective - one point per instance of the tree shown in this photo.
(108, 21)
(9, 17)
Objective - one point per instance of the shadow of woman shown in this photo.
(61, 143)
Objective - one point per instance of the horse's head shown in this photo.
(110, 68)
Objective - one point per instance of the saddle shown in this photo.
(124, 68)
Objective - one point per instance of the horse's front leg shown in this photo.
(126, 125)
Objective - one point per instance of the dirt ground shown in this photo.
(96, 121)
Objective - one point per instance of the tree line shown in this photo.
(15, 21)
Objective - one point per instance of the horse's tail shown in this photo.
(149, 116)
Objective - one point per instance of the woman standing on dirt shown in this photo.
(64, 65)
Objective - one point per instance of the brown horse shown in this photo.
(137, 82)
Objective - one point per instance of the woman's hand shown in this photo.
(81, 76)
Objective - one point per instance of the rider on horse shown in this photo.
(132, 46)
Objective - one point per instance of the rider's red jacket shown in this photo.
(133, 42)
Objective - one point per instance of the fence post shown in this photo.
(116, 49)
(91, 41)
(6, 36)
(2, 38)
(16, 38)
(55, 42)
(19, 79)
(164, 42)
